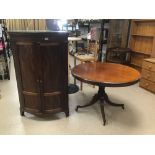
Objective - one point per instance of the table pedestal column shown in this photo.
(103, 97)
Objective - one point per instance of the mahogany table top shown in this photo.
(106, 74)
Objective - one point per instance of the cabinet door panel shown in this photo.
(55, 75)
(54, 67)
(29, 60)
(52, 102)
(32, 103)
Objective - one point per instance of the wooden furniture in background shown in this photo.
(148, 74)
(105, 75)
(41, 65)
(118, 55)
(90, 54)
(118, 33)
(142, 41)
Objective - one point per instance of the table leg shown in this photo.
(103, 113)
(93, 101)
(103, 97)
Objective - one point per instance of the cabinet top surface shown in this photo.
(43, 35)
(152, 60)
(37, 32)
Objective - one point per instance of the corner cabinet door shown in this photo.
(55, 76)
(29, 60)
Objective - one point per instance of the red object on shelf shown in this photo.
(1, 46)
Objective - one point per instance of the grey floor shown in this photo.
(137, 118)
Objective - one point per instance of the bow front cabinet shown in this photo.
(41, 66)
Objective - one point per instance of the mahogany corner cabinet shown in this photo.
(41, 66)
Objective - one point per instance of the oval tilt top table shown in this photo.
(105, 75)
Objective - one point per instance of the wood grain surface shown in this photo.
(106, 74)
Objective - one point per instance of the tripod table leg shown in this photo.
(93, 101)
(103, 114)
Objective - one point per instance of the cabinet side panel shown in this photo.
(18, 74)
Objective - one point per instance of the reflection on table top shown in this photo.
(109, 74)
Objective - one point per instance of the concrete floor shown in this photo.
(137, 118)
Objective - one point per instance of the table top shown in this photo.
(106, 74)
